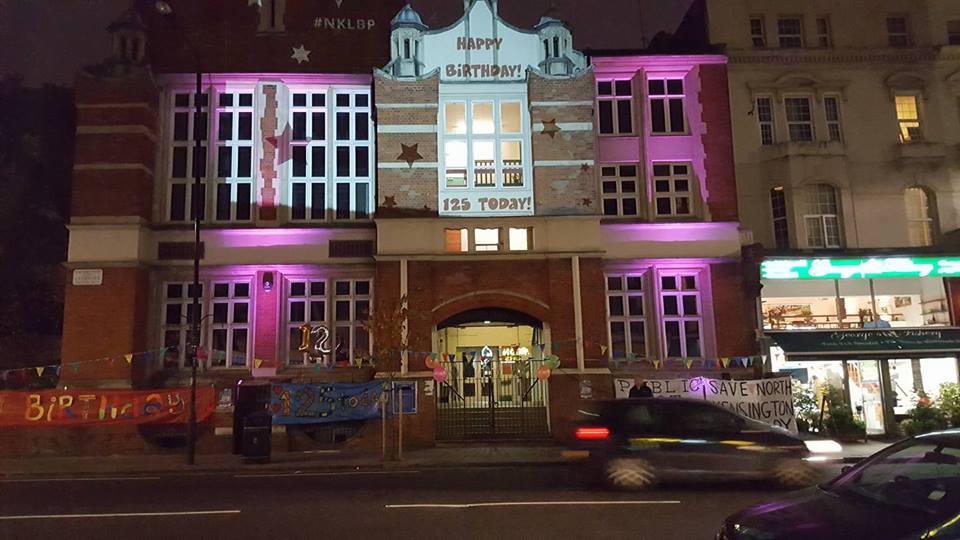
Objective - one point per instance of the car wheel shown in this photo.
(624, 473)
(794, 473)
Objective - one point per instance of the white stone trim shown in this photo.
(407, 105)
(407, 128)
(112, 167)
(117, 129)
(561, 103)
(567, 126)
(404, 165)
(562, 162)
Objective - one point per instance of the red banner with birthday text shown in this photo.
(91, 407)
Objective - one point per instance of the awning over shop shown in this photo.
(889, 342)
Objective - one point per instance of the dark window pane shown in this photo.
(343, 126)
(609, 187)
(245, 127)
(221, 290)
(689, 305)
(318, 288)
(638, 338)
(343, 100)
(692, 330)
(658, 116)
(670, 305)
(605, 88)
(362, 161)
(679, 169)
(220, 313)
(361, 100)
(618, 338)
(629, 207)
(614, 283)
(635, 305)
(297, 311)
(318, 161)
(343, 336)
(361, 126)
(225, 127)
(298, 156)
(174, 290)
(661, 170)
(299, 100)
(361, 201)
(246, 100)
(362, 288)
(298, 288)
(361, 309)
(689, 283)
(343, 161)
(173, 315)
(219, 347)
(299, 126)
(342, 312)
(200, 161)
(683, 205)
(193, 291)
(319, 127)
(610, 207)
(623, 88)
(241, 290)
(244, 162)
(608, 171)
(624, 116)
(668, 283)
(200, 126)
(656, 87)
(239, 357)
(178, 202)
(223, 202)
(681, 186)
(204, 100)
(606, 116)
(616, 306)
(181, 100)
(224, 162)
(675, 87)
(318, 100)
(628, 170)
(226, 100)
(243, 202)
(634, 283)
(677, 117)
(179, 163)
(198, 206)
(318, 208)
(343, 288)
(672, 330)
(343, 201)
(318, 310)
(628, 187)
(240, 311)
(663, 207)
(180, 126)
(298, 206)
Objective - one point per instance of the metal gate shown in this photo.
(492, 399)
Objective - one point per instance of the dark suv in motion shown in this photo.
(636, 443)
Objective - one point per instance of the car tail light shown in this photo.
(592, 433)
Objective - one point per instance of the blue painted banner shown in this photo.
(316, 403)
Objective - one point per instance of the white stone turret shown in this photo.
(557, 56)
(406, 43)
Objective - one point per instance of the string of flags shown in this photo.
(76, 366)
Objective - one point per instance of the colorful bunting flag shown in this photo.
(433, 356)
(39, 371)
(631, 357)
(656, 364)
(725, 361)
(257, 363)
(603, 350)
(542, 347)
(688, 362)
(128, 357)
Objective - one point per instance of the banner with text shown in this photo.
(766, 400)
(316, 403)
(89, 407)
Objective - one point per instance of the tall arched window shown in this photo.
(920, 223)
(822, 217)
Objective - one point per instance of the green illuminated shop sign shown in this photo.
(874, 267)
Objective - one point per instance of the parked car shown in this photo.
(909, 490)
(636, 443)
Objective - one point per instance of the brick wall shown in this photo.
(734, 313)
(718, 142)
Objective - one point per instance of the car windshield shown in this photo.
(922, 474)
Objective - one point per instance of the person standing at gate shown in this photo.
(640, 389)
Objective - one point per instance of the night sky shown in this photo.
(47, 41)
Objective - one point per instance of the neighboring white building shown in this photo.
(846, 126)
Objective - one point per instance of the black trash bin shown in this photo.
(256, 436)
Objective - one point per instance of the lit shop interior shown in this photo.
(862, 319)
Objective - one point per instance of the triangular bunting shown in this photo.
(725, 361)
(128, 357)
(556, 346)
(316, 366)
(688, 362)
(656, 364)
(542, 347)
(433, 356)
(603, 350)
(39, 371)
(631, 357)
(257, 363)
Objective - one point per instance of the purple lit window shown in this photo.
(673, 190)
(681, 314)
(621, 190)
(626, 316)
(230, 325)
(306, 303)
(615, 107)
(342, 305)
(667, 114)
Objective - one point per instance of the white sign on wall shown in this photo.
(481, 48)
(88, 277)
(766, 400)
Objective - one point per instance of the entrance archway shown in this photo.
(491, 355)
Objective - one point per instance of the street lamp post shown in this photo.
(196, 206)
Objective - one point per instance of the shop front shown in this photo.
(877, 330)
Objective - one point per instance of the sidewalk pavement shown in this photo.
(440, 457)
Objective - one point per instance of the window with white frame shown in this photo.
(781, 225)
(230, 325)
(308, 155)
(353, 155)
(790, 32)
(822, 217)
(824, 33)
(178, 315)
(483, 143)
(615, 105)
(184, 158)
(233, 196)
(673, 190)
(667, 113)
(908, 117)
(621, 190)
(486, 239)
(626, 319)
(799, 118)
(920, 223)
(520, 238)
(765, 120)
(898, 31)
(306, 304)
(351, 307)
(831, 111)
(953, 32)
(681, 314)
(757, 32)
(456, 240)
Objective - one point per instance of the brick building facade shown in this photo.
(513, 192)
